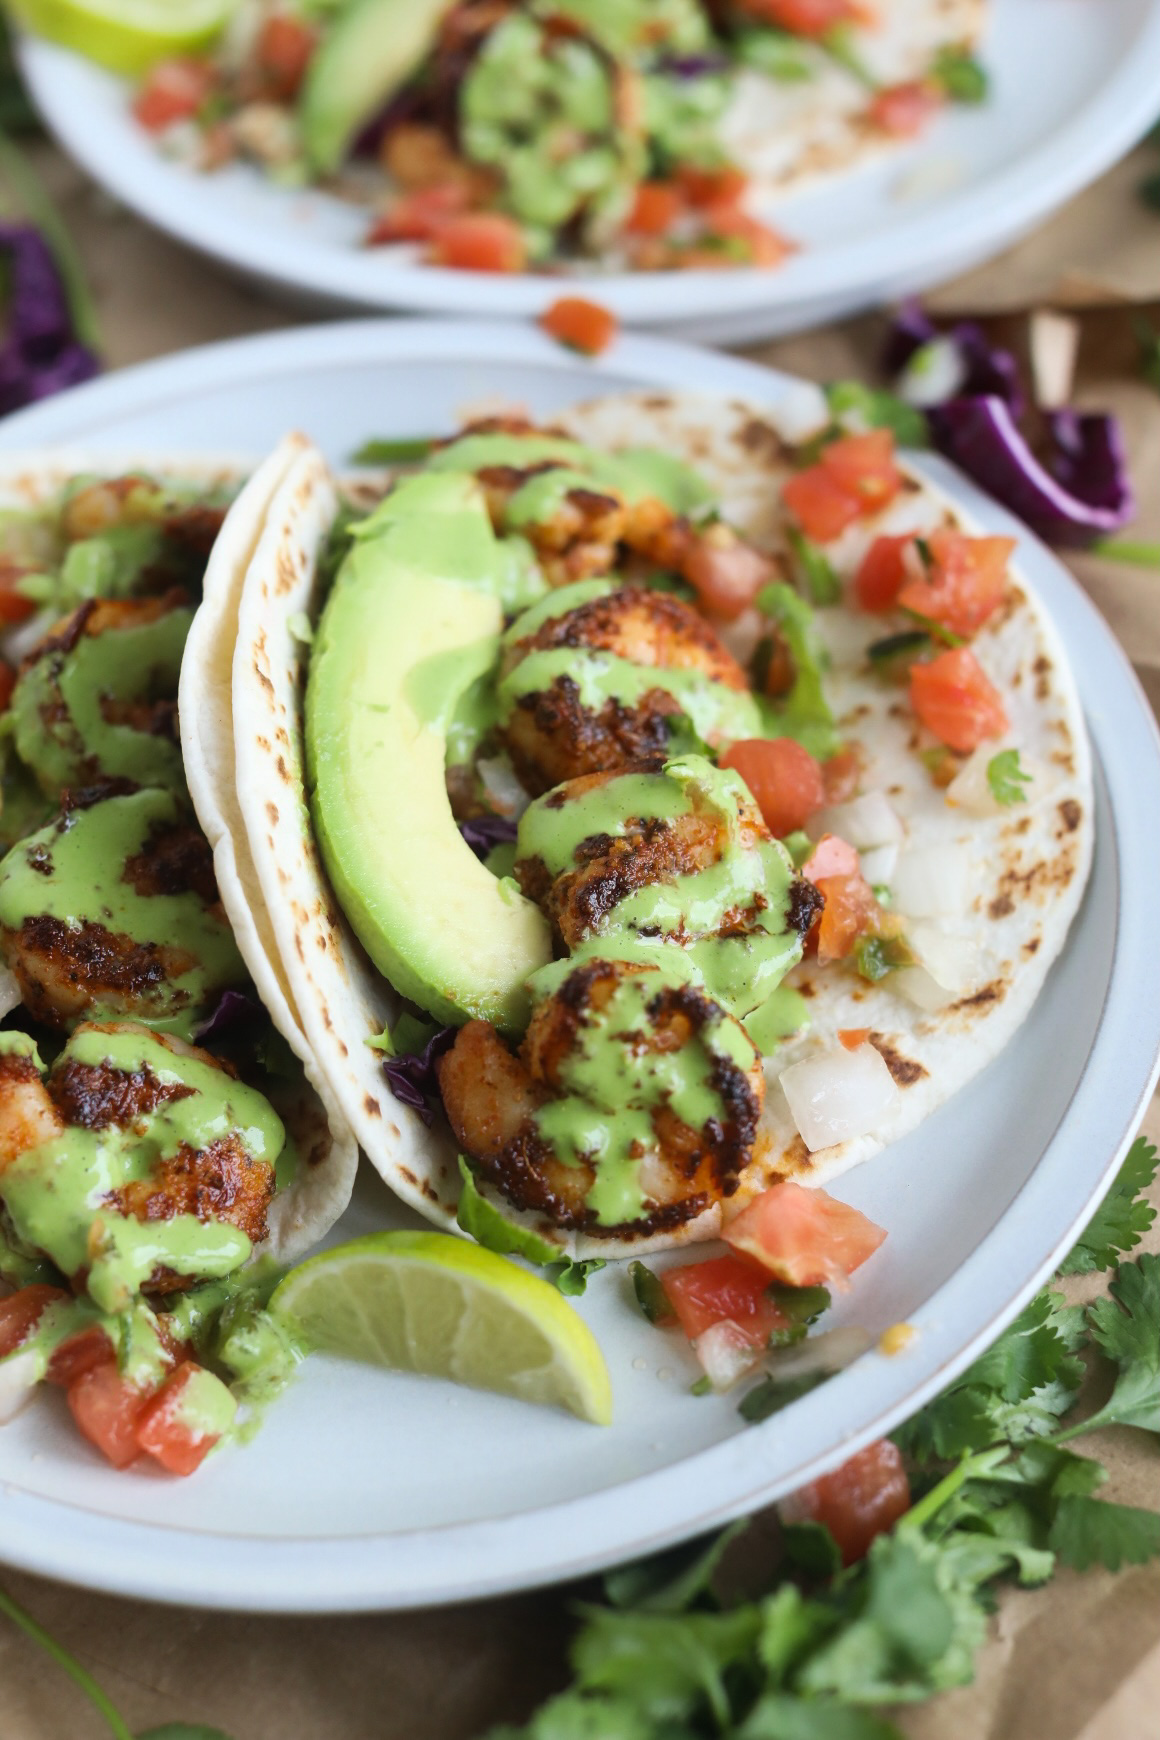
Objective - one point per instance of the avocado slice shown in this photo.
(398, 644)
(372, 47)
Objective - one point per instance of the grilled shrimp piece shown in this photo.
(654, 1078)
(229, 1180)
(552, 734)
(580, 537)
(113, 910)
(96, 699)
(110, 503)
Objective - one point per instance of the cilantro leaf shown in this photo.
(961, 76)
(791, 1627)
(1006, 778)
(1090, 1531)
(777, 1716)
(1120, 1221)
(670, 1666)
(671, 1582)
(183, 1731)
(574, 1717)
(571, 1277)
(1124, 1327)
(857, 407)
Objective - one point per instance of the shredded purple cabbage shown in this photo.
(1079, 491)
(692, 66)
(986, 368)
(234, 1009)
(482, 833)
(41, 354)
(412, 1078)
(1075, 490)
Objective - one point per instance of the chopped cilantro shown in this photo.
(650, 1295)
(960, 75)
(386, 452)
(1124, 1329)
(876, 956)
(1122, 1218)
(858, 407)
(1006, 778)
(816, 571)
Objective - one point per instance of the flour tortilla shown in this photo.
(1029, 863)
(786, 134)
(328, 1153)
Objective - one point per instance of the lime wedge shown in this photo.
(432, 1303)
(125, 35)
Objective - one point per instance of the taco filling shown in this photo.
(502, 137)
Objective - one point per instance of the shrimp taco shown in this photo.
(161, 1122)
(648, 810)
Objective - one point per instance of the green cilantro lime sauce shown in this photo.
(438, 523)
(56, 1193)
(634, 474)
(110, 564)
(437, 688)
(614, 1083)
(204, 1406)
(74, 870)
(555, 604)
(676, 922)
(803, 713)
(622, 26)
(15, 1044)
(60, 703)
(715, 711)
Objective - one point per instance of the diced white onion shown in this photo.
(726, 1353)
(934, 373)
(19, 1375)
(948, 968)
(839, 1094)
(1053, 346)
(502, 786)
(970, 789)
(932, 882)
(869, 820)
(801, 411)
(878, 864)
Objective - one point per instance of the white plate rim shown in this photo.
(964, 227)
(462, 1561)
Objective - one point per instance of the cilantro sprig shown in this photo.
(1007, 777)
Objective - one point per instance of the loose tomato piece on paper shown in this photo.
(174, 91)
(581, 325)
(22, 1311)
(904, 110)
(882, 574)
(859, 1501)
(723, 1289)
(804, 1238)
(107, 1409)
(822, 506)
(481, 242)
(784, 778)
(864, 466)
(965, 584)
(954, 698)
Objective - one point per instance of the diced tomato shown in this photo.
(862, 1499)
(954, 698)
(853, 1037)
(763, 245)
(832, 856)
(850, 912)
(712, 187)
(581, 325)
(173, 91)
(419, 216)
(22, 1311)
(107, 1409)
(965, 584)
(881, 575)
(14, 607)
(89, 1347)
(822, 507)
(904, 110)
(656, 208)
(784, 778)
(723, 1288)
(809, 17)
(841, 774)
(7, 684)
(803, 1238)
(164, 1431)
(864, 466)
(284, 50)
(727, 573)
(481, 242)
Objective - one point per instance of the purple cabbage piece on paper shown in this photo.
(412, 1079)
(234, 1009)
(1078, 492)
(987, 369)
(41, 354)
(482, 833)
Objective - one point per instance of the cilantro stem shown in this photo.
(71, 1666)
(1125, 550)
(968, 1469)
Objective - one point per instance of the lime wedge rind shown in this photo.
(437, 1305)
(126, 36)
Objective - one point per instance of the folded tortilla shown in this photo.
(1027, 864)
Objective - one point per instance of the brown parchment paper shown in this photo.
(1079, 1660)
